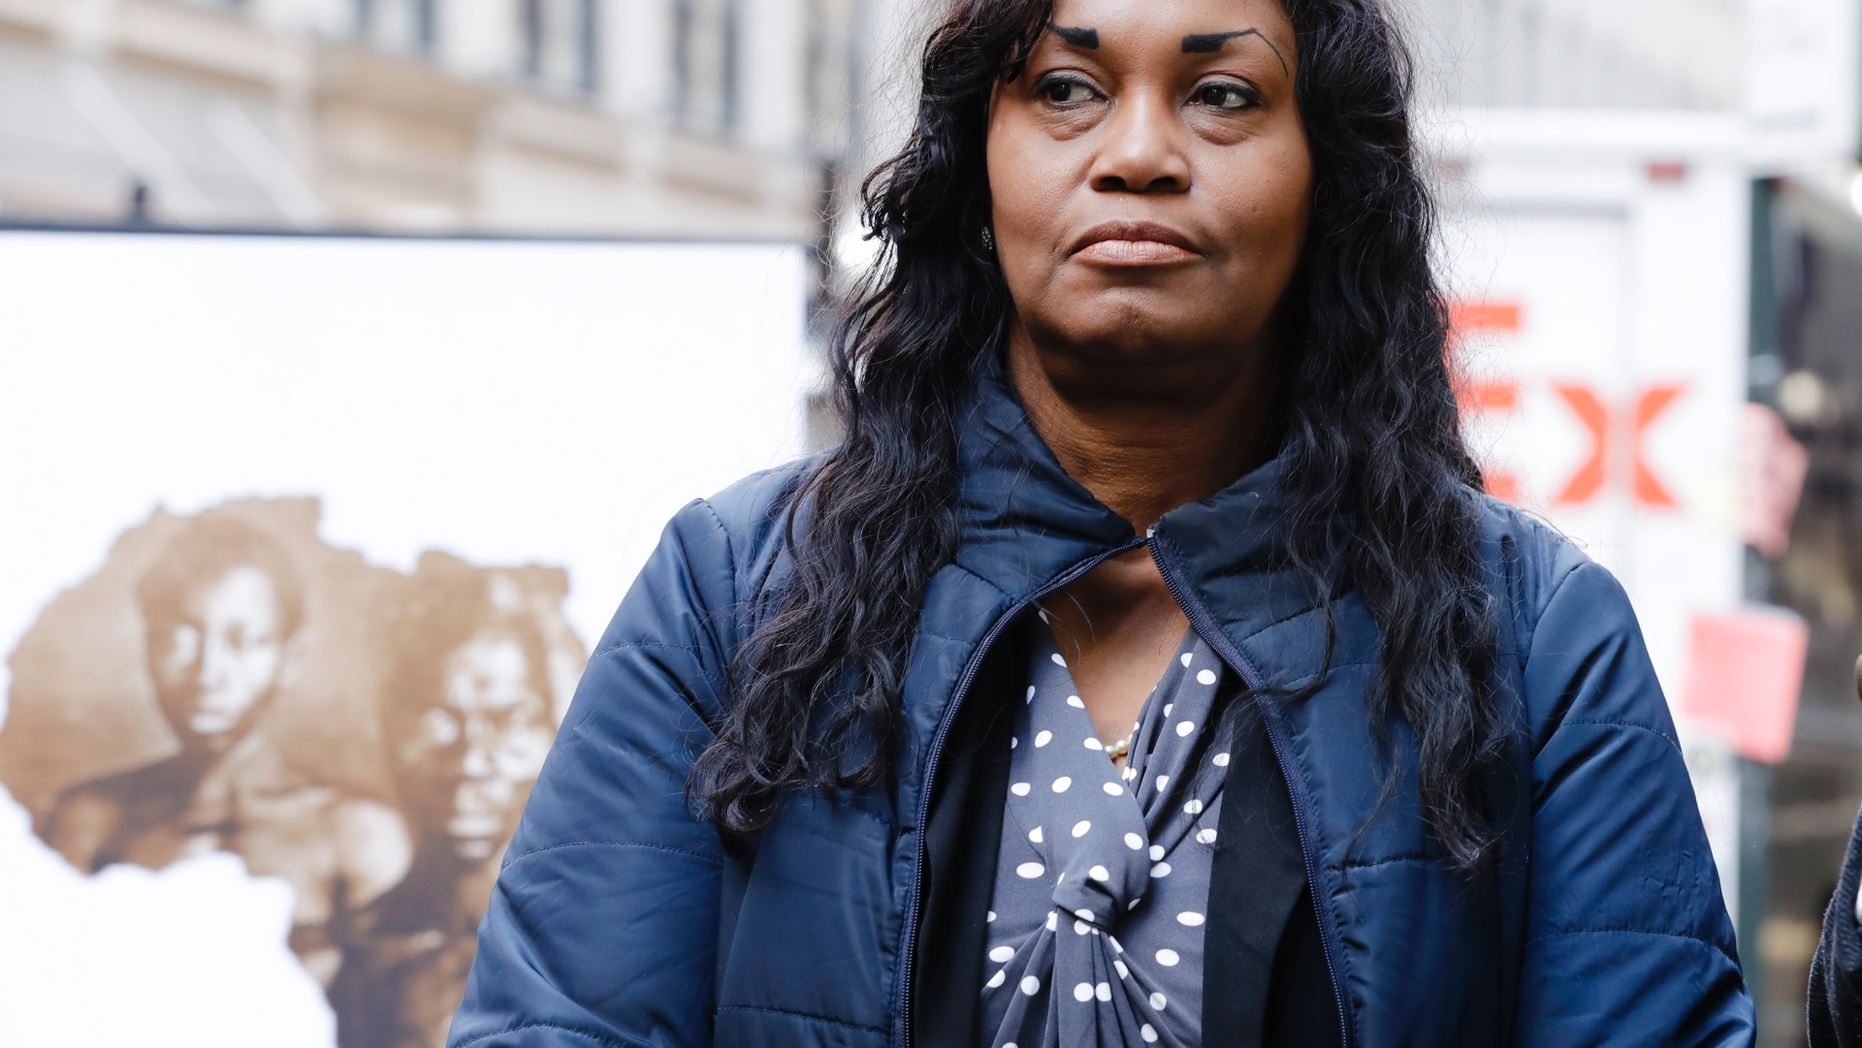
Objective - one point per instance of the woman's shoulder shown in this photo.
(713, 557)
(1571, 638)
(755, 504)
(697, 592)
(1532, 564)
(740, 529)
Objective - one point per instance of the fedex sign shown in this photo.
(1626, 423)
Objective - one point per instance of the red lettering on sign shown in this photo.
(1588, 480)
(1501, 484)
(1466, 316)
(1653, 402)
(1585, 484)
(1480, 314)
(1488, 396)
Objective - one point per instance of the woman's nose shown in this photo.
(477, 762)
(1141, 147)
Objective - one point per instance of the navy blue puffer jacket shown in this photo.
(620, 920)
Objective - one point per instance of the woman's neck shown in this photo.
(1146, 437)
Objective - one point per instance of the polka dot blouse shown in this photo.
(1102, 880)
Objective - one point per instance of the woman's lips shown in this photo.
(1133, 253)
(1125, 242)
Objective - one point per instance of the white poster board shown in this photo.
(532, 411)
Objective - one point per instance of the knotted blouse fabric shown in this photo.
(1102, 878)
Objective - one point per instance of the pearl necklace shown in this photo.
(1119, 749)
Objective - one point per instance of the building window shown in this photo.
(405, 26)
(704, 65)
(560, 44)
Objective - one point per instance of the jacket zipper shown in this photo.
(908, 936)
(1205, 626)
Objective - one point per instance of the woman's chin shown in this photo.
(1135, 344)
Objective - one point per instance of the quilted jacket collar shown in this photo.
(1025, 521)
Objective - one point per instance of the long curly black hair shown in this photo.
(1371, 435)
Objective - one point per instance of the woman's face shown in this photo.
(223, 657)
(466, 768)
(1150, 177)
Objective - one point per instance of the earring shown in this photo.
(989, 239)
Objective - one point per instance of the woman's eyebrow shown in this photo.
(1205, 43)
(1086, 38)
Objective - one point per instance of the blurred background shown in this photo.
(1651, 226)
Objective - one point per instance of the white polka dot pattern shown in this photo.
(1123, 858)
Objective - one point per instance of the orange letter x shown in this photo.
(1589, 479)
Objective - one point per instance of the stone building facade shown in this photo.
(651, 118)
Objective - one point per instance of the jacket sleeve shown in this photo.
(1835, 1004)
(1627, 936)
(602, 927)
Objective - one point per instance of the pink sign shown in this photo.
(1744, 671)
(1772, 467)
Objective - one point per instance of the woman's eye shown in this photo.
(1066, 92)
(1225, 96)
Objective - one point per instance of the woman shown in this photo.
(465, 703)
(1143, 666)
